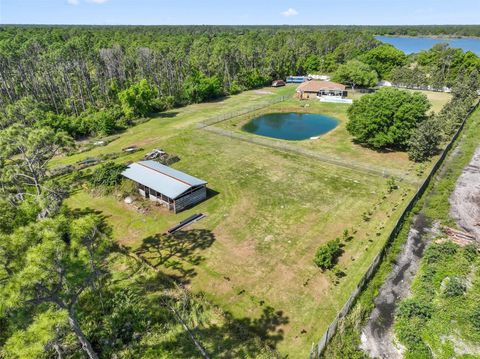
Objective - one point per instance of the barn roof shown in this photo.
(316, 86)
(166, 180)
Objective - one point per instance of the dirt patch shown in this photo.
(465, 199)
(377, 336)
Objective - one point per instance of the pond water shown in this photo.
(291, 126)
(411, 45)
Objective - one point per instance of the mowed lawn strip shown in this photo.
(272, 211)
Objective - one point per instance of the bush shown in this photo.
(409, 335)
(391, 185)
(108, 175)
(475, 318)
(327, 254)
(454, 287)
(437, 251)
(470, 252)
(411, 307)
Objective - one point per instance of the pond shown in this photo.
(411, 45)
(291, 126)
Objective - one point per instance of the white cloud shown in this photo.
(97, 1)
(73, 2)
(290, 12)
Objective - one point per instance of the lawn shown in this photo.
(267, 213)
(338, 142)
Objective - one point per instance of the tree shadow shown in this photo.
(379, 150)
(170, 114)
(234, 338)
(177, 252)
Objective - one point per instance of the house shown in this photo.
(278, 83)
(315, 88)
(296, 79)
(169, 187)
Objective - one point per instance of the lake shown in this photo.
(291, 126)
(410, 45)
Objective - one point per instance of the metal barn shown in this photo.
(169, 187)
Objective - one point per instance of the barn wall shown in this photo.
(190, 199)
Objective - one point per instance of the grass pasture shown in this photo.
(267, 213)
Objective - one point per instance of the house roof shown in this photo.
(166, 180)
(316, 86)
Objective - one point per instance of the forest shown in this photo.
(58, 84)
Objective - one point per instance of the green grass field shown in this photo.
(267, 213)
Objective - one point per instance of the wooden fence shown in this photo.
(318, 349)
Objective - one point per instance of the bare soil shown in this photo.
(465, 199)
(377, 335)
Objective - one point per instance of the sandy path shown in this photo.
(465, 199)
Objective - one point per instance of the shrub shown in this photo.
(411, 307)
(470, 252)
(437, 251)
(391, 185)
(108, 175)
(454, 287)
(327, 254)
(475, 318)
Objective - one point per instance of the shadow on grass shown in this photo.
(242, 335)
(229, 338)
(169, 114)
(178, 252)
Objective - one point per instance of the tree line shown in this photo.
(74, 72)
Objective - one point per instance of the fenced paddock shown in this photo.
(323, 157)
(229, 115)
(319, 347)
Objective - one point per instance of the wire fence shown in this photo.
(317, 349)
(227, 116)
(323, 157)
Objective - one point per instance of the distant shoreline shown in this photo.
(446, 37)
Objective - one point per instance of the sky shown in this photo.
(232, 12)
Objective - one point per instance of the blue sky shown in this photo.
(313, 12)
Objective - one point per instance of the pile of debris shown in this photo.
(459, 237)
(162, 157)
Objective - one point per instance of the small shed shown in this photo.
(278, 83)
(169, 187)
(315, 88)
